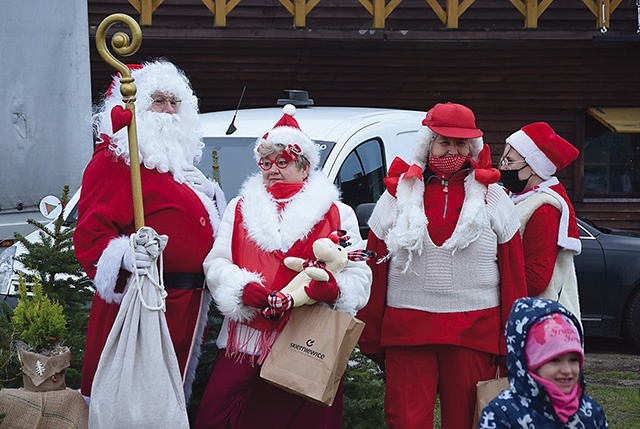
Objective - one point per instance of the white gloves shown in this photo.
(138, 261)
(198, 180)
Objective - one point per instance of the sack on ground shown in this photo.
(486, 391)
(311, 353)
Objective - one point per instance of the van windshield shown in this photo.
(230, 160)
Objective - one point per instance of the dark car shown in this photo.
(609, 281)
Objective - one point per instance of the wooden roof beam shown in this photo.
(379, 10)
(145, 8)
(602, 10)
(453, 12)
(220, 9)
(531, 10)
(299, 9)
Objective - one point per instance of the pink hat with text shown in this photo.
(550, 337)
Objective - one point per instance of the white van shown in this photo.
(356, 144)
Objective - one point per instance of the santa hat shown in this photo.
(448, 120)
(118, 76)
(544, 150)
(287, 132)
(550, 337)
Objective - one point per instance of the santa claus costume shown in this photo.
(549, 229)
(187, 211)
(262, 226)
(452, 268)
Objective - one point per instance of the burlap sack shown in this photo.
(311, 353)
(42, 373)
(60, 409)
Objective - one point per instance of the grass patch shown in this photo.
(621, 404)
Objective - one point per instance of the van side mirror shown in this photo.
(363, 213)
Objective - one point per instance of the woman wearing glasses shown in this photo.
(549, 229)
(279, 212)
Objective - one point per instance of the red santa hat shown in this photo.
(287, 132)
(448, 120)
(544, 150)
(117, 78)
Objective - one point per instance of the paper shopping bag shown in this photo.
(486, 391)
(311, 353)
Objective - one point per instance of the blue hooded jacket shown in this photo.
(525, 404)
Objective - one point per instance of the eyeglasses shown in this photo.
(266, 163)
(506, 164)
(174, 102)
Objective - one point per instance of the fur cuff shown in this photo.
(108, 269)
(228, 295)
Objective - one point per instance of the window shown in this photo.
(611, 162)
(360, 177)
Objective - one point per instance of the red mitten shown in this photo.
(323, 291)
(255, 295)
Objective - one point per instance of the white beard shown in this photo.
(165, 143)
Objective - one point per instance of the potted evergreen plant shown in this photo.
(40, 325)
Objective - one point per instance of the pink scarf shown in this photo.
(565, 404)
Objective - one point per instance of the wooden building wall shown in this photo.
(508, 75)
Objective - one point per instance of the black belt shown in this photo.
(184, 280)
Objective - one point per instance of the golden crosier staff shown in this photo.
(124, 46)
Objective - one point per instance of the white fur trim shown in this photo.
(473, 215)
(536, 159)
(290, 135)
(228, 295)
(564, 241)
(408, 230)
(108, 269)
(410, 225)
(272, 230)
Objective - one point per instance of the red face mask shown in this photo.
(447, 164)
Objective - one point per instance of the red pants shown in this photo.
(416, 374)
(236, 397)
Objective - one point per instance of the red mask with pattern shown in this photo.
(447, 164)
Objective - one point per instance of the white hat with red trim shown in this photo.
(544, 150)
(287, 133)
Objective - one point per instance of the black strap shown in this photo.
(184, 280)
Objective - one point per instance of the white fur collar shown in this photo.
(410, 228)
(472, 217)
(272, 230)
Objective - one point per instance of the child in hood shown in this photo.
(544, 357)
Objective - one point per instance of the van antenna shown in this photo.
(232, 128)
